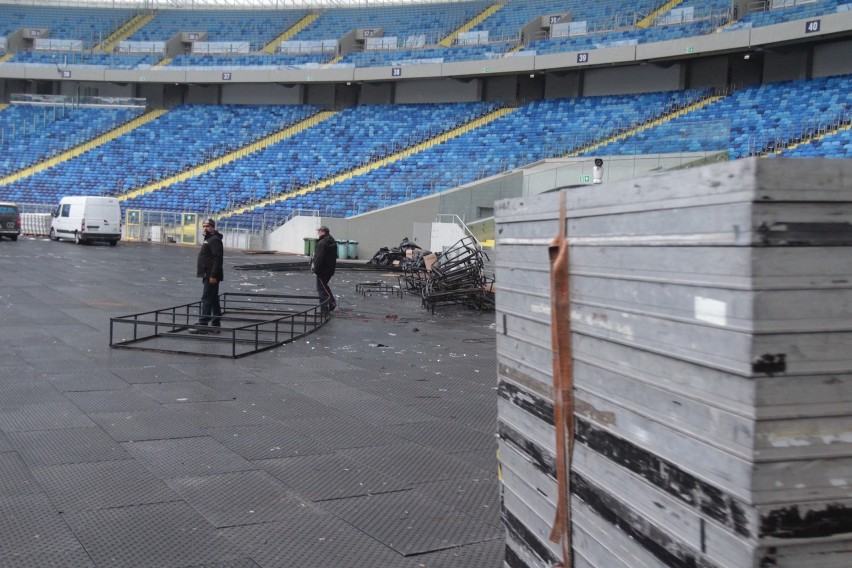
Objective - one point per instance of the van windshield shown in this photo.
(7, 209)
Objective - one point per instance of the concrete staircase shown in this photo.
(84, 147)
(366, 168)
(476, 20)
(296, 28)
(232, 156)
(128, 29)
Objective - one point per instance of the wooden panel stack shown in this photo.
(711, 313)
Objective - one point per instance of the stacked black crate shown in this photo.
(711, 313)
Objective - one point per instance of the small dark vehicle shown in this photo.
(10, 221)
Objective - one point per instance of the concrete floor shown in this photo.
(370, 443)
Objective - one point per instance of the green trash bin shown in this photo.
(312, 245)
(342, 247)
(353, 250)
(307, 246)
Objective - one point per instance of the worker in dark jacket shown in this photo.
(323, 265)
(211, 273)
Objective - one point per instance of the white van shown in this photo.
(86, 218)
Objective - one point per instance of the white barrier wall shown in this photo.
(290, 237)
(35, 223)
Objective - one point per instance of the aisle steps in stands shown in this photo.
(649, 20)
(361, 170)
(84, 147)
(124, 32)
(272, 46)
(645, 126)
(228, 158)
(487, 13)
(828, 132)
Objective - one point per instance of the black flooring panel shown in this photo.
(187, 457)
(151, 373)
(475, 497)
(31, 525)
(207, 415)
(151, 425)
(166, 535)
(126, 400)
(413, 463)
(15, 476)
(61, 365)
(69, 445)
(477, 414)
(241, 498)
(34, 354)
(72, 558)
(5, 444)
(205, 368)
(101, 485)
(483, 459)
(444, 436)
(488, 553)
(330, 476)
(18, 394)
(381, 412)
(242, 563)
(15, 371)
(285, 404)
(338, 431)
(268, 440)
(46, 416)
(329, 392)
(120, 458)
(249, 384)
(91, 380)
(189, 391)
(315, 538)
(412, 523)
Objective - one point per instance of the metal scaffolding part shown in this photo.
(456, 277)
(370, 288)
(250, 323)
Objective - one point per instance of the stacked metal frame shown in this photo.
(711, 325)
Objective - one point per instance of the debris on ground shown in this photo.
(454, 277)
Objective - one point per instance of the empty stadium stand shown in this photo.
(340, 166)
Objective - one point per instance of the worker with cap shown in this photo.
(323, 265)
(211, 273)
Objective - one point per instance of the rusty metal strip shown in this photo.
(563, 382)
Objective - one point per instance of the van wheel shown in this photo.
(53, 236)
(77, 239)
(14, 237)
(113, 243)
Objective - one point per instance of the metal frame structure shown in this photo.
(251, 323)
(369, 288)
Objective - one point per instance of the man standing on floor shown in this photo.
(211, 273)
(323, 265)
